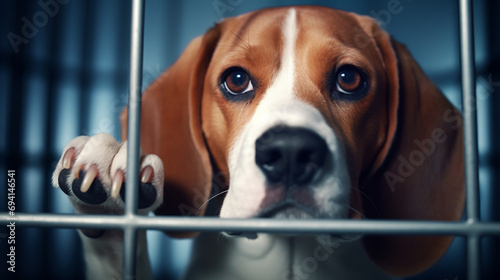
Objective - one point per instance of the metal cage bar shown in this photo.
(133, 139)
(309, 226)
(472, 228)
(470, 133)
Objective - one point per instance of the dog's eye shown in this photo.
(350, 80)
(236, 81)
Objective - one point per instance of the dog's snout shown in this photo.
(290, 155)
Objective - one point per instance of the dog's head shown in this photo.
(308, 112)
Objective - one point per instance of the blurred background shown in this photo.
(64, 72)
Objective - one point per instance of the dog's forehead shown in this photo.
(348, 28)
(256, 39)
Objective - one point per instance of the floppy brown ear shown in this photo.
(420, 172)
(171, 128)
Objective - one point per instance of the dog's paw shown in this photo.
(92, 170)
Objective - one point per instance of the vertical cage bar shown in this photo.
(469, 108)
(473, 257)
(470, 132)
(134, 107)
(133, 137)
(129, 253)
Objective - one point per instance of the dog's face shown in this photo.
(310, 112)
(291, 102)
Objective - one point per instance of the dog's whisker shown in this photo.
(206, 202)
(356, 211)
(368, 198)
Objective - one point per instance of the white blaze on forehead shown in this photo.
(286, 77)
(247, 187)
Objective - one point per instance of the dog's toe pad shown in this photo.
(147, 195)
(95, 194)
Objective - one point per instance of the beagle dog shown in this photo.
(283, 113)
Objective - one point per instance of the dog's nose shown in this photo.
(290, 155)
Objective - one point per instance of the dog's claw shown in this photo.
(90, 175)
(147, 174)
(68, 158)
(117, 184)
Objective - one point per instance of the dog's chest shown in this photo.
(278, 257)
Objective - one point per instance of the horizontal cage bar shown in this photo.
(313, 226)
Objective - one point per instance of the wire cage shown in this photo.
(471, 228)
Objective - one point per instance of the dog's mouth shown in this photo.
(287, 209)
(291, 209)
